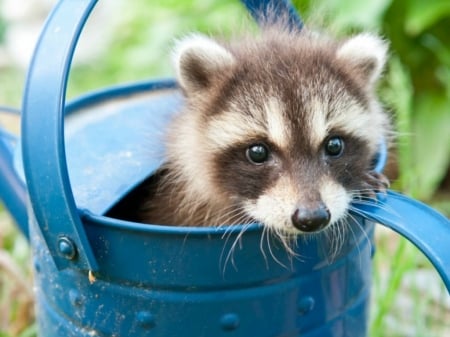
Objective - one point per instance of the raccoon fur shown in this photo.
(280, 128)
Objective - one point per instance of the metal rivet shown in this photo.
(67, 248)
(145, 319)
(305, 305)
(229, 321)
(75, 297)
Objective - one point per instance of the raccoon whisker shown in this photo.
(226, 237)
(293, 254)
(359, 196)
(362, 193)
(328, 241)
(365, 194)
(344, 225)
(229, 252)
(285, 238)
(366, 237)
(363, 231)
(237, 218)
(376, 203)
(356, 211)
(366, 189)
(234, 216)
(305, 238)
(265, 232)
(237, 240)
(358, 223)
(335, 234)
(338, 240)
(384, 207)
(351, 216)
(362, 190)
(230, 218)
(271, 231)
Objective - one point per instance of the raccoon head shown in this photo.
(283, 127)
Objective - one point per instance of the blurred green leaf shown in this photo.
(30, 331)
(350, 14)
(144, 35)
(397, 92)
(431, 144)
(421, 15)
(2, 30)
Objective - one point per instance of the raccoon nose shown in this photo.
(311, 220)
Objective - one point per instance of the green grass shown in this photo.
(403, 304)
(409, 298)
(16, 287)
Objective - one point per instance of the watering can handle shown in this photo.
(426, 228)
(43, 149)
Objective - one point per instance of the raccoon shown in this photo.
(279, 128)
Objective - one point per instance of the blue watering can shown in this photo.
(95, 275)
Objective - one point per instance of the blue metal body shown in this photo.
(99, 276)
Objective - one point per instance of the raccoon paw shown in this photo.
(373, 182)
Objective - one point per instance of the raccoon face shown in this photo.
(285, 128)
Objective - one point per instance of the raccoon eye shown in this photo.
(257, 154)
(334, 146)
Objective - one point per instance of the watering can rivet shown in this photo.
(145, 319)
(67, 248)
(229, 321)
(75, 297)
(305, 305)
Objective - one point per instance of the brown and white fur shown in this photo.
(296, 97)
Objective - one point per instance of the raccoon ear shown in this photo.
(197, 60)
(366, 54)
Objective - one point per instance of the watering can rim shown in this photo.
(108, 221)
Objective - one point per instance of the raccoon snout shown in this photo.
(311, 220)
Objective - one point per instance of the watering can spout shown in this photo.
(12, 189)
(423, 226)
